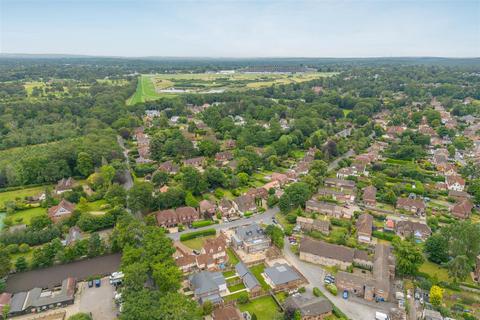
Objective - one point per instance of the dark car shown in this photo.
(98, 283)
(90, 283)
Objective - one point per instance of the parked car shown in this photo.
(327, 281)
(345, 294)
(98, 283)
(90, 283)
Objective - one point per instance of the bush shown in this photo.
(243, 298)
(317, 292)
(197, 234)
(201, 223)
(383, 235)
(248, 214)
(302, 290)
(332, 289)
(23, 248)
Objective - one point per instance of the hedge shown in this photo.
(332, 289)
(383, 235)
(197, 234)
(201, 223)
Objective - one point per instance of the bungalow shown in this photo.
(370, 196)
(283, 277)
(310, 308)
(61, 211)
(364, 227)
(405, 229)
(462, 209)
(245, 203)
(308, 224)
(340, 196)
(168, 167)
(208, 286)
(207, 208)
(340, 183)
(249, 280)
(329, 209)
(416, 206)
(197, 162)
(64, 185)
(455, 183)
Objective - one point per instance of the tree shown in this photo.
(40, 222)
(5, 311)
(5, 263)
(295, 196)
(85, 164)
(160, 178)
(207, 308)
(140, 197)
(245, 165)
(108, 173)
(436, 248)
(276, 234)
(116, 195)
(21, 264)
(436, 296)
(459, 268)
(167, 276)
(192, 180)
(208, 148)
(190, 200)
(408, 257)
(95, 245)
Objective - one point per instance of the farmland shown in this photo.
(154, 86)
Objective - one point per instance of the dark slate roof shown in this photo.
(281, 273)
(206, 281)
(308, 306)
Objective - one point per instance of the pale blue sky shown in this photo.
(242, 28)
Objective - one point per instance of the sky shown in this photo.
(262, 28)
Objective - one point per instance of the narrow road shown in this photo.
(128, 176)
(265, 218)
(335, 162)
(354, 308)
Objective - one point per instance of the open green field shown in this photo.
(264, 308)
(25, 216)
(197, 243)
(257, 272)
(151, 87)
(19, 194)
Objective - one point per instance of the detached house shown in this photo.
(226, 207)
(207, 208)
(364, 227)
(197, 163)
(310, 308)
(308, 224)
(65, 185)
(419, 231)
(170, 217)
(251, 238)
(168, 167)
(245, 203)
(416, 206)
(455, 183)
(223, 157)
(462, 209)
(370, 196)
(326, 208)
(62, 211)
(208, 286)
(283, 277)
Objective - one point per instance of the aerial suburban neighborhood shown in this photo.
(249, 188)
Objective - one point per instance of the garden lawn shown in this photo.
(257, 272)
(236, 287)
(433, 269)
(21, 194)
(228, 274)
(27, 215)
(264, 308)
(232, 258)
(197, 243)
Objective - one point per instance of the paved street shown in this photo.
(265, 217)
(128, 176)
(335, 162)
(355, 308)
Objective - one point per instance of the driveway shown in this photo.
(354, 308)
(265, 218)
(127, 175)
(98, 301)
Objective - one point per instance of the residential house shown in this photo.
(455, 183)
(364, 227)
(251, 283)
(251, 238)
(227, 313)
(418, 230)
(375, 286)
(310, 308)
(61, 211)
(395, 131)
(226, 207)
(327, 208)
(462, 209)
(245, 203)
(308, 224)
(207, 208)
(223, 157)
(208, 286)
(38, 300)
(326, 254)
(340, 183)
(416, 206)
(280, 177)
(74, 234)
(370, 196)
(283, 277)
(197, 162)
(64, 185)
(171, 217)
(259, 194)
(229, 144)
(355, 170)
(169, 167)
(347, 196)
(459, 195)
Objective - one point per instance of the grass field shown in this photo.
(264, 308)
(19, 194)
(26, 215)
(257, 272)
(149, 86)
(197, 243)
(232, 258)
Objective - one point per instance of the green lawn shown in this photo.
(230, 273)
(145, 91)
(257, 272)
(232, 258)
(236, 287)
(264, 308)
(346, 112)
(19, 194)
(27, 215)
(97, 205)
(197, 243)
(434, 270)
(233, 296)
